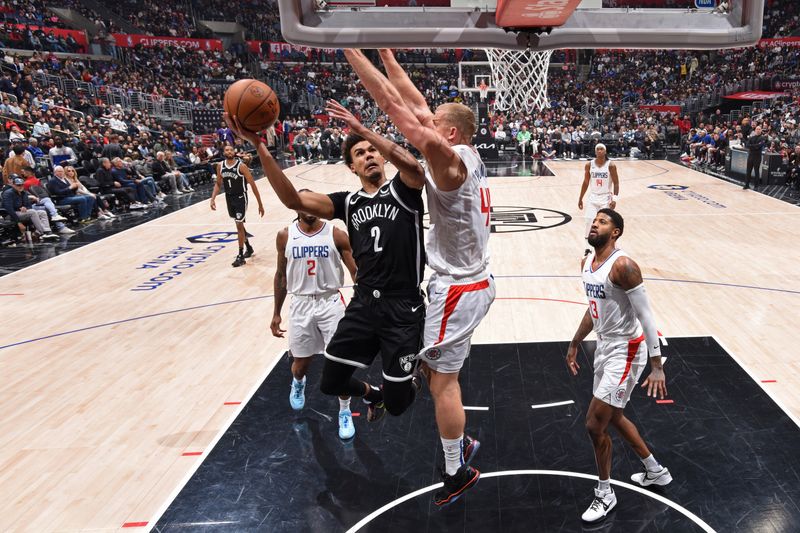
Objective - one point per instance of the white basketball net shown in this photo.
(519, 78)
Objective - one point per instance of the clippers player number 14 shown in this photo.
(599, 178)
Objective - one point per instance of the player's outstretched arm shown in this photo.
(310, 202)
(279, 283)
(411, 172)
(251, 182)
(408, 91)
(447, 169)
(585, 184)
(626, 274)
(342, 242)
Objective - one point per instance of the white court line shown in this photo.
(223, 429)
(474, 408)
(688, 514)
(554, 404)
(757, 381)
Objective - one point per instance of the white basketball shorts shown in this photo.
(590, 208)
(618, 364)
(312, 322)
(454, 311)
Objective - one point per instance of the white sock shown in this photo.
(453, 457)
(604, 485)
(295, 381)
(344, 405)
(651, 464)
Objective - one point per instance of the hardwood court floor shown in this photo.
(112, 396)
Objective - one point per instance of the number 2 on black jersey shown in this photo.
(376, 235)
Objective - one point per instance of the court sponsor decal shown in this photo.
(668, 187)
(515, 219)
(174, 263)
(682, 192)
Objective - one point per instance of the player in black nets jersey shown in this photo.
(384, 222)
(234, 176)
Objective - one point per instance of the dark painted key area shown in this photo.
(732, 451)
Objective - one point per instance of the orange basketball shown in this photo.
(254, 104)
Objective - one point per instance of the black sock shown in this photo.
(241, 252)
(247, 244)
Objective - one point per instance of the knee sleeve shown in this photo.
(337, 380)
(397, 397)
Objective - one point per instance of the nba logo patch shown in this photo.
(407, 362)
(620, 394)
(433, 354)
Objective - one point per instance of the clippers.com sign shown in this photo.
(534, 13)
(131, 40)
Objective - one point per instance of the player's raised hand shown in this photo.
(572, 360)
(338, 111)
(656, 383)
(237, 129)
(275, 326)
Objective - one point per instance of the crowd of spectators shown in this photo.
(781, 18)
(29, 12)
(154, 17)
(259, 17)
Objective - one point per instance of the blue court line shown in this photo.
(253, 298)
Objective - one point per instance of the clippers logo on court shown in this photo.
(407, 362)
(515, 219)
(433, 354)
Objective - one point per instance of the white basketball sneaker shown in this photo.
(601, 505)
(660, 477)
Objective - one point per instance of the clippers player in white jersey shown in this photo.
(461, 288)
(310, 256)
(234, 176)
(620, 314)
(599, 178)
(384, 224)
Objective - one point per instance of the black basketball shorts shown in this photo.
(375, 323)
(237, 207)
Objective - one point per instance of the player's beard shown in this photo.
(597, 240)
(375, 176)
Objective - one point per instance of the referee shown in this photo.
(754, 145)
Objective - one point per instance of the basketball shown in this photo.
(253, 103)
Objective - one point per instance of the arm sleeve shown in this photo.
(641, 306)
(339, 199)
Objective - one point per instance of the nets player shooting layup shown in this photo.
(619, 312)
(310, 256)
(234, 175)
(460, 290)
(599, 177)
(384, 222)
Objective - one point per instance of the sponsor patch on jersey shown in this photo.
(407, 362)
(433, 354)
